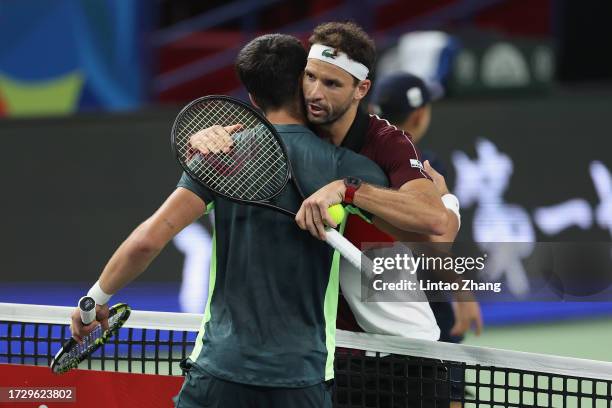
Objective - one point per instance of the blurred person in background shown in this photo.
(405, 101)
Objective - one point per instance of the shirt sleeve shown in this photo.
(399, 158)
(187, 182)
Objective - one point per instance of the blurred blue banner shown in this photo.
(69, 55)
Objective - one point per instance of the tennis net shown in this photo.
(370, 370)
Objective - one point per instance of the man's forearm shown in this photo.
(413, 211)
(132, 257)
(142, 246)
(408, 236)
(452, 229)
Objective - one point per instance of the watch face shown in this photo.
(353, 181)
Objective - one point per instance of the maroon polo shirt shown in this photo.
(399, 158)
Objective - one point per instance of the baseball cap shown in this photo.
(402, 93)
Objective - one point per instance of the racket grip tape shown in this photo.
(344, 246)
(87, 308)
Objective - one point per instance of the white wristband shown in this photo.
(452, 203)
(98, 294)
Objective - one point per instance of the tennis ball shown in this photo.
(337, 212)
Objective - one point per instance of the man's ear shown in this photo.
(362, 89)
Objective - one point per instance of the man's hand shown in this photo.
(437, 178)
(215, 139)
(467, 315)
(80, 330)
(313, 215)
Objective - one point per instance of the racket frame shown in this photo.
(264, 121)
(124, 313)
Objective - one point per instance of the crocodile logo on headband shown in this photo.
(330, 53)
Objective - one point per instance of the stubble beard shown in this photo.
(330, 117)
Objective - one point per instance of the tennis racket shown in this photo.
(72, 353)
(255, 171)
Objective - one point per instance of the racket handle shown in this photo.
(349, 251)
(87, 308)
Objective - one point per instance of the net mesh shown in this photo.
(133, 350)
(370, 370)
(255, 169)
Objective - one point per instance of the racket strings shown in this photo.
(197, 121)
(248, 150)
(226, 116)
(265, 170)
(243, 159)
(256, 167)
(77, 353)
(260, 183)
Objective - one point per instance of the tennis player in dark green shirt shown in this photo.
(268, 335)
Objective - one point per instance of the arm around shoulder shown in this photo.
(415, 207)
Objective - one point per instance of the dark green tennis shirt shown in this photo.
(270, 319)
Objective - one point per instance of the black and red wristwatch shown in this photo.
(352, 184)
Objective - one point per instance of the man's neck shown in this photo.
(285, 117)
(337, 131)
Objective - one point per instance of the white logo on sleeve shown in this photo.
(416, 164)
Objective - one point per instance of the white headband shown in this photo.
(339, 59)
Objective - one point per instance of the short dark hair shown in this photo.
(349, 38)
(270, 67)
